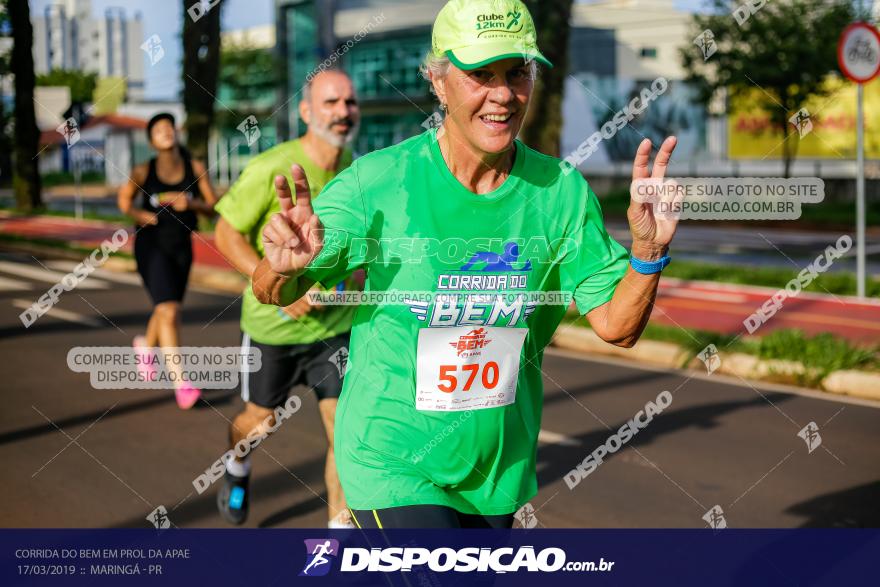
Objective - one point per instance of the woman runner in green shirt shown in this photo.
(441, 407)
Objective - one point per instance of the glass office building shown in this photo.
(379, 43)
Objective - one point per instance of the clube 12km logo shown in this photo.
(322, 552)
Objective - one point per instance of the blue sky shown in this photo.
(163, 18)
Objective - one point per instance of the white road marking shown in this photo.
(40, 274)
(547, 437)
(61, 314)
(125, 278)
(13, 285)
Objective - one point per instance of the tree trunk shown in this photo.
(543, 126)
(786, 152)
(5, 144)
(793, 146)
(26, 173)
(201, 67)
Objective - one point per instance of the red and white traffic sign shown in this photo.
(858, 52)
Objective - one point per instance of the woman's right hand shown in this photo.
(295, 236)
(144, 218)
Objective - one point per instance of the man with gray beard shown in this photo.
(301, 343)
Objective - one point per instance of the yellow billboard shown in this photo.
(109, 94)
(829, 125)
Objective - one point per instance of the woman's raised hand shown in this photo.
(294, 236)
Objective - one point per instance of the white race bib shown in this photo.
(467, 367)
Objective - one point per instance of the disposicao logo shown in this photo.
(319, 554)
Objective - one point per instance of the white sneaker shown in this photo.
(342, 521)
(334, 525)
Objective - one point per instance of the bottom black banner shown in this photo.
(435, 558)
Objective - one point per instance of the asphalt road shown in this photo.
(74, 456)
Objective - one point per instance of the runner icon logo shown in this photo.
(526, 516)
(319, 554)
(715, 518)
(472, 341)
(497, 262)
(706, 42)
(810, 435)
(710, 358)
(340, 360)
(159, 518)
(802, 122)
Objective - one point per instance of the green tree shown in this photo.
(5, 117)
(201, 66)
(81, 84)
(249, 78)
(543, 127)
(779, 56)
(26, 174)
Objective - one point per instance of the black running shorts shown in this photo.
(319, 365)
(427, 516)
(164, 269)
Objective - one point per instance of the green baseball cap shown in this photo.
(473, 33)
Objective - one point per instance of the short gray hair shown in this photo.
(436, 67)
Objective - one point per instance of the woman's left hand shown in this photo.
(651, 230)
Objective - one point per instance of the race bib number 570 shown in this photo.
(467, 368)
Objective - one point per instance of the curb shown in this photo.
(663, 354)
(861, 384)
(855, 383)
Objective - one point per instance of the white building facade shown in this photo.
(68, 36)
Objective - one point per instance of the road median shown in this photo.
(855, 383)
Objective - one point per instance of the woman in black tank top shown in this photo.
(163, 197)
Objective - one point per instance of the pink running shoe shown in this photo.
(146, 358)
(187, 395)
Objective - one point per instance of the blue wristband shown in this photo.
(649, 267)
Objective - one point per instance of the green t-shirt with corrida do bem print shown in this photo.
(442, 397)
(247, 207)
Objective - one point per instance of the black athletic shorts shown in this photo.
(427, 516)
(163, 268)
(319, 365)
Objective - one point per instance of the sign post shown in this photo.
(858, 54)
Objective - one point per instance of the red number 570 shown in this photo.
(489, 376)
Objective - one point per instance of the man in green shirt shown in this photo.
(301, 343)
(439, 417)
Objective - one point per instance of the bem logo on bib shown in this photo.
(472, 341)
